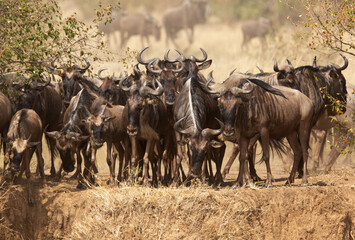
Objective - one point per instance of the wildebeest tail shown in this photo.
(279, 147)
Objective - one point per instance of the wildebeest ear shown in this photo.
(54, 134)
(108, 119)
(216, 144)
(205, 65)
(32, 144)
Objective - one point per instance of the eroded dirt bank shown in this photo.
(199, 212)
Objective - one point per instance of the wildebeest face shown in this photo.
(66, 144)
(135, 105)
(168, 81)
(98, 125)
(70, 84)
(228, 105)
(337, 89)
(15, 151)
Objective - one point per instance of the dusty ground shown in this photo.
(323, 210)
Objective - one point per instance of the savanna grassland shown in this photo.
(323, 210)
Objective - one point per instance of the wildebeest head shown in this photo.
(200, 9)
(15, 149)
(166, 72)
(337, 83)
(98, 124)
(66, 142)
(199, 145)
(70, 76)
(230, 97)
(286, 75)
(139, 99)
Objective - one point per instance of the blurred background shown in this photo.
(220, 35)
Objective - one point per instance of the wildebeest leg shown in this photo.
(27, 158)
(52, 146)
(243, 144)
(121, 160)
(134, 157)
(231, 159)
(40, 160)
(146, 157)
(127, 157)
(319, 142)
(108, 160)
(332, 157)
(303, 134)
(78, 165)
(296, 148)
(178, 158)
(210, 172)
(251, 158)
(218, 158)
(265, 142)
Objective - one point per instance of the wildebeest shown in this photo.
(47, 102)
(73, 138)
(23, 138)
(146, 118)
(106, 125)
(70, 79)
(256, 28)
(270, 112)
(196, 114)
(6, 114)
(184, 17)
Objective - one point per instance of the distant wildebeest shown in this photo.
(184, 17)
(270, 112)
(23, 139)
(256, 28)
(133, 24)
(106, 125)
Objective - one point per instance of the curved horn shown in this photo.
(166, 57)
(261, 71)
(180, 69)
(276, 68)
(136, 70)
(230, 74)
(193, 58)
(207, 132)
(40, 86)
(53, 66)
(236, 91)
(182, 57)
(124, 88)
(86, 67)
(178, 128)
(345, 63)
(144, 90)
(150, 68)
(141, 61)
(314, 64)
(290, 64)
(99, 73)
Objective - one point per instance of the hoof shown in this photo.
(304, 184)
(287, 183)
(268, 185)
(256, 178)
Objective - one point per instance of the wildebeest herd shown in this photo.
(155, 118)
